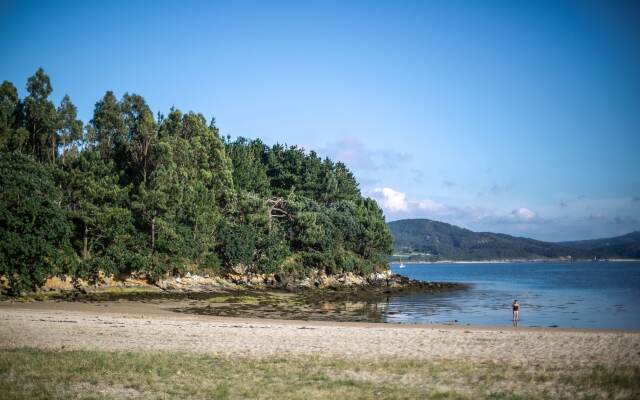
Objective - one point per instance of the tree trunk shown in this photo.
(34, 137)
(64, 149)
(145, 151)
(153, 233)
(144, 171)
(195, 231)
(85, 250)
(53, 150)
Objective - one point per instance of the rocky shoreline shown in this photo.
(331, 286)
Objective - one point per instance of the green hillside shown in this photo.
(424, 239)
(625, 246)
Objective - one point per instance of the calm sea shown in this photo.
(580, 295)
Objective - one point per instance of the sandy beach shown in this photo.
(142, 350)
(141, 326)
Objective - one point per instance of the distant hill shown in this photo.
(424, 239)
(625, 246)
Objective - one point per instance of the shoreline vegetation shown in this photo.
(166, 195)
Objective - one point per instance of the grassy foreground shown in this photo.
(29, 373)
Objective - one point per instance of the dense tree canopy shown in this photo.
(132, 192)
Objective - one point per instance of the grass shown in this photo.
(29, 373)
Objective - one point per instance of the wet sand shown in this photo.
(137, 326)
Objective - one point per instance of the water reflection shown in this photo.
(586, 295)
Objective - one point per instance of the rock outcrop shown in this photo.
(378, 281)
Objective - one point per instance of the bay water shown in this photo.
(602, 295)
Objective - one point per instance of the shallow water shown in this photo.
(580, 295)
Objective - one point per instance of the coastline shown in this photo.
(377, 283)
(123, 350)
(63, 315)
(141, 327)
(517, 261)
(139, 310)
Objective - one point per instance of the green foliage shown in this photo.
(249, 168)
(238, 244)
(131, 192)
(69, 127)
(35, 234)
(108, 128)
(41, 118)
(98, 208)
(12, 136)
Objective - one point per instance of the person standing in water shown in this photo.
(515, 308)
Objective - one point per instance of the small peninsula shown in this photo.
(134, 196)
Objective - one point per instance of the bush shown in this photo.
(239, 244)
(35, 235)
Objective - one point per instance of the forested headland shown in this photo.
(166, 194)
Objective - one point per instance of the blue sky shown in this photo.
(517, 117)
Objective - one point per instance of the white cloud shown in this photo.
(523, 214)
(430, 205)
(392, 200)
(395, 202)
(520, 221)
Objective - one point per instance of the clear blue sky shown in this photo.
(518, 117)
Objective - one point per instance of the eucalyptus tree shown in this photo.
(193, 175)
(249, 167)
(69, 126)
(141, 134)
(13, 136)
(107, 126)
(97, 204)
(41, 118)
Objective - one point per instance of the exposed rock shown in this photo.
(257, 280)
(194, 283)
(378, 282)
(57, 283)
(4, 284)
(239, 269)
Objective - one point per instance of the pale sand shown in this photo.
(147, 327)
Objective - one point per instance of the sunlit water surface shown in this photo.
(580, 294)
